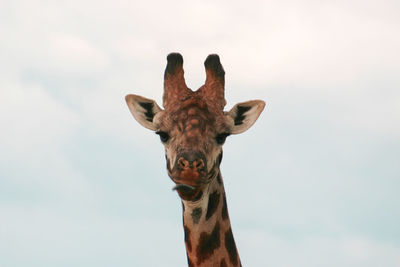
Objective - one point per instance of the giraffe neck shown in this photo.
(208, 234)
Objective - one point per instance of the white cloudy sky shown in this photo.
(82, 184)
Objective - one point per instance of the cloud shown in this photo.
(48, 237)
(273, 250)
(34, 118)
(36, 129)
(72, 54)
(322, 155)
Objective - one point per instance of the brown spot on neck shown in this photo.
(224, 211)
(231, 247)
(213, 202)
(196, 215)
(187, 239)
(208, 243)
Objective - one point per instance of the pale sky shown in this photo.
(313, 183)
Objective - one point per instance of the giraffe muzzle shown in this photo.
(190, 169)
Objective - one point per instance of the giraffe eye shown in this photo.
(220, 138)
(163, 136)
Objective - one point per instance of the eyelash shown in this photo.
(220, 138)
(164, 137)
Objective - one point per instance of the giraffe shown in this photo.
(193, 127)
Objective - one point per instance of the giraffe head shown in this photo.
(193, 125)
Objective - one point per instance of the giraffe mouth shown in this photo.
(188, 192)
(184, 188)
(192, 190)
(192, 179)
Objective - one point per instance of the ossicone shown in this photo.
(175, 88)
(214, 86)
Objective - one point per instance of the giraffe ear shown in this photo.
(244, 115)
(143, 110)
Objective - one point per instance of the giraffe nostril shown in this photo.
(198, 164)
(182, 163)
(185, 164)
